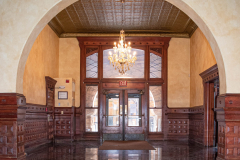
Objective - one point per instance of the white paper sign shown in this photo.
(62, 95)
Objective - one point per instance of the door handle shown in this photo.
(126, 109)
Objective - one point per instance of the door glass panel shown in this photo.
(91, 120)
(155, 120)
(136, 71)
(134, 110)
(91, 96)
(112, 110)
(155, 96)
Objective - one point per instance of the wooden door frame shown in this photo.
(138, 42)
(208, 77)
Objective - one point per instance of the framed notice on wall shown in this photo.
(62, 95)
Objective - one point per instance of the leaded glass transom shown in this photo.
(92, 66)
(155, 66)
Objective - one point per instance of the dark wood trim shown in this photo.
(210, 74)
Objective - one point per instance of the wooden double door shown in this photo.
(123, 118)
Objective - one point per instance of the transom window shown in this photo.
(136, 71)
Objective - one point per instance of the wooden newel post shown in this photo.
(12, 125)
(228, 117)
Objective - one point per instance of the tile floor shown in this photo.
(165, 150)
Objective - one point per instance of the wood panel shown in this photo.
(64, 122)
(178, 127)
(36, 126)
(12, 122)
(196, 128)
(177, 123)
(228, 117)
(78, 113)
(185, 123)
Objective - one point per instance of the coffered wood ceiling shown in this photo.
(136, 17)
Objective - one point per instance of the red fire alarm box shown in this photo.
(67, 80)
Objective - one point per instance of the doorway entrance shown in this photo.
(123, 107)
(123, 118)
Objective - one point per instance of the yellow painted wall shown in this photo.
(69, 63)
(178, 72)
(201, 58)
(42, 61)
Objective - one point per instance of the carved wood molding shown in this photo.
(105, 92)
(174, 35)
(35, 108)
(90, 51)
(190, 110)
(12, 99)
(228, 101)
(50, 82)
(210, 74)
(143, 43)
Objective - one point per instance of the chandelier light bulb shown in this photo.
(134, 53)
(122, 59)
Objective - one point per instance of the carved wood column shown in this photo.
(50, 104)
(12, 122)
(228, 116)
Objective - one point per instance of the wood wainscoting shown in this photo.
(196, 124)
(65, 123)
(186, 124)
(177, 123)
(36, 126)
(39, 128)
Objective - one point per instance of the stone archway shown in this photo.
(24, 24)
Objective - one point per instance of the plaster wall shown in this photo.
(69, 63)
(179, 72)
(42, 61)
(201, 58)
(219, 21)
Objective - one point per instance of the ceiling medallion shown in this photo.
(122, 58)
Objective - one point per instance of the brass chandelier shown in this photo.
(122, 59)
